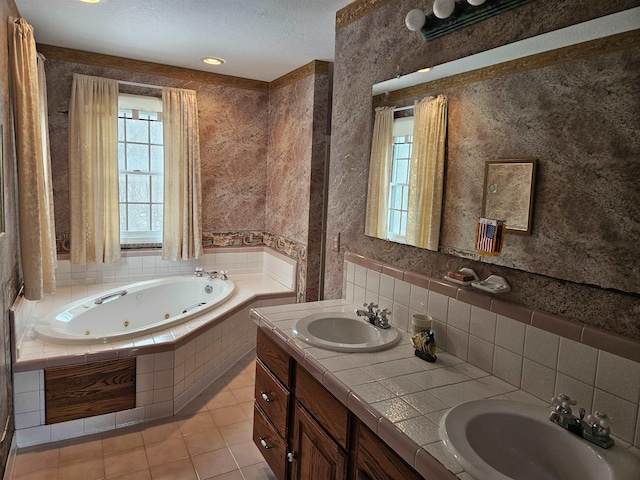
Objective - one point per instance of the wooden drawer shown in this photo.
(329, 412)
(274, 358)
(270, 443)
(272, 397)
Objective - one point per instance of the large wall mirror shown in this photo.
(562, 98)
(1, 180)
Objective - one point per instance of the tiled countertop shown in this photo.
(34, 353)
(399, 396)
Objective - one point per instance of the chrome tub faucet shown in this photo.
(199, 272)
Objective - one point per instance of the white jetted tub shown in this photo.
(134, 310)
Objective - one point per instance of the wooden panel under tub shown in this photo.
(89, 389)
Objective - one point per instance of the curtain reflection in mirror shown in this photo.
(427, 172)
(404, 201)
(379, 173)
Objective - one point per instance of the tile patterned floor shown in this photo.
(211, 438)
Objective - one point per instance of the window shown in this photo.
(140, 168)
(399, 185)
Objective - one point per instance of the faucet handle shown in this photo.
(370, 306)
(563, 401)
(598, 418)
(384, 312)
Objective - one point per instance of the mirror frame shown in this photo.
(1, 179)
(531, 191)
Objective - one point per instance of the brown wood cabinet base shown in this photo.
(321, 439)
(88, 389)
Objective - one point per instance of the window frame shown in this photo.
(127, 103)
(401, 136)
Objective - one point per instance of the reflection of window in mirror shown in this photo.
(399, 185)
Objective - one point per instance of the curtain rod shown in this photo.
(399, 109)
(145, 85)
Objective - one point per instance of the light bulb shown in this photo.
(443, 8)
(415, 19)
(475, 3)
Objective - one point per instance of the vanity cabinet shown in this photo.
(315, 453)
(376, 461)
(305, 433)
(272, 404)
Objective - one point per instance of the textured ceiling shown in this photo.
(259, 39)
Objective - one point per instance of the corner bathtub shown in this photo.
(134, 310)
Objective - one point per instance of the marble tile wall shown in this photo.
(233, 143)
(259, 150)
(295, 166)
(381, 35)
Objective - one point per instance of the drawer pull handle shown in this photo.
(291, 457)
(263, 442)
(265, 397)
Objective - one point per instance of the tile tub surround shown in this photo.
(137, 266)
(173, 365)
(403, 398)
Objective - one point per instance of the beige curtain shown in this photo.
(93, 170)
(379, 174)
(427, 172)
(35, 197)
(182, 223)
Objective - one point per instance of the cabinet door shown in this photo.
(317, 455)
(376, 461)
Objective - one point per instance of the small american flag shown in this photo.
(488, 236)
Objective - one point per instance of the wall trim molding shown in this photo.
(139, 66)
(315, 67)
(357, 10)
(580, 51)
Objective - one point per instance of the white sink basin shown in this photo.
(344, 332)
(501, 439)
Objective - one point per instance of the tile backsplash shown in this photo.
(505, 344)
(147, 265)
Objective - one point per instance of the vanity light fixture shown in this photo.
(451, 15)
(213, 60)
(424, 70)
(90, 1)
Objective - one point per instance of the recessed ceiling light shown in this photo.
(424, 70)
(213, 60)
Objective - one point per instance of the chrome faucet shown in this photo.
(212, 274)
(594, 428)
(373, 315)
(369, 313)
